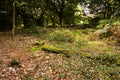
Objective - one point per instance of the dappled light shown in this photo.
(60, 40)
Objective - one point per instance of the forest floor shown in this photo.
(22, 60)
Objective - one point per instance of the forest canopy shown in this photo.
(59, 13)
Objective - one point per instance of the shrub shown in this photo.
(101, 33)
(107, 59)
(62, 36)
(86, 31)
(111, 22)
(80, 41)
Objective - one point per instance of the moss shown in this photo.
(53, 49)
(35, 48)
(56, 50)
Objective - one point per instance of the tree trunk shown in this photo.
(13, 28)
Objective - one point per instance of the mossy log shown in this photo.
(53, 49)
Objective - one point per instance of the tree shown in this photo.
(13, 29)
(63, 9)
(107, 8)
(40, 12)
(31, 11)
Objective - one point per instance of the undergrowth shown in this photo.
(69, 54)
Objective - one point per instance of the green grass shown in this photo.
(74, 40)
(61, 36)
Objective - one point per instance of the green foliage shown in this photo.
(87, 31)
(62, 10)
(106, 8)
(110, 22)
(108, 28)
(80, 41)
(32, 30)
(62, 36)
(108, 59)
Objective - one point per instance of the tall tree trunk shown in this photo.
(13, 28)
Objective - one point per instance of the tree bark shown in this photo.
(13, 28)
